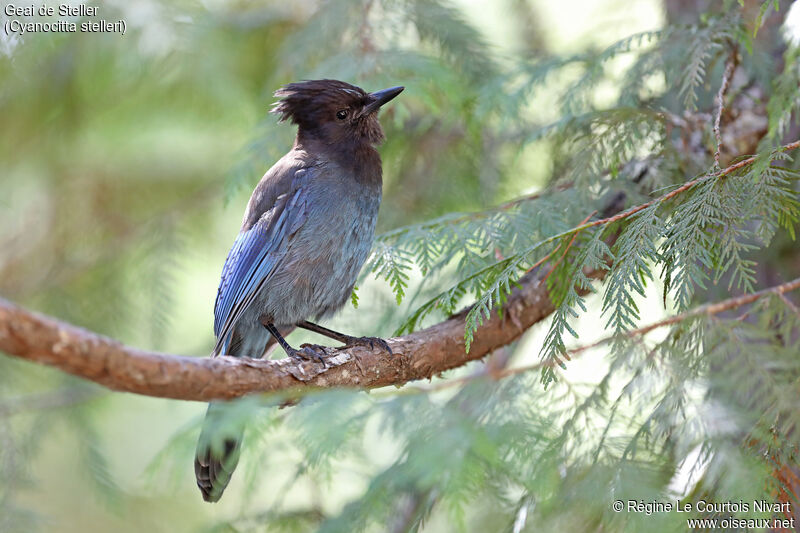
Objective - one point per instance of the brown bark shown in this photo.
(419, 355)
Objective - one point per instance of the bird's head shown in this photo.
(333, 111)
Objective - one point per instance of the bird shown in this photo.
(306, 233)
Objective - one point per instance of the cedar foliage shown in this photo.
(535, 450)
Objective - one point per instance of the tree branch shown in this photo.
(420, 355)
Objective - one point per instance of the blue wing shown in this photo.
(252, 260)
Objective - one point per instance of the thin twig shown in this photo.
(708, 310)
(619, 216)
(686, 186)
(571, 242)
(632, 211)
(790, 304)
(726, 81)
(543, 259)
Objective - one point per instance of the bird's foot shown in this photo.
(368, 342)
(310, 352)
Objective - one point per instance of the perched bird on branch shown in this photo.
(307, 231)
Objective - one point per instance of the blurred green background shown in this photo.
(125, 166)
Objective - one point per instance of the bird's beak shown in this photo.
(378, 98)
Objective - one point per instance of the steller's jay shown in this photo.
(306, 233)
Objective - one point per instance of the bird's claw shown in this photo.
(310, 352)
(369, 341)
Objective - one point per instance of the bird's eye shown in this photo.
(341, 114)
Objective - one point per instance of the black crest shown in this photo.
(313, 101)
(332, 111)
